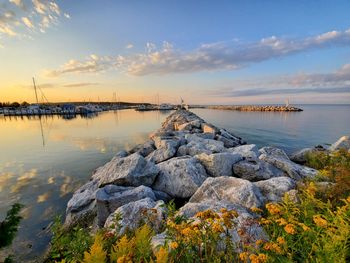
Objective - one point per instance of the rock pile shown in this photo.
(189, 160)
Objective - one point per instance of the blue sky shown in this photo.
(222, 52)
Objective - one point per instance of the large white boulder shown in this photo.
(180, 176)
(256, 170)
(279, 159)
(132, 215)
(133, 170)
(219, 164)
(274, 189)
(110, 197)
(249, 151)
(229, 189)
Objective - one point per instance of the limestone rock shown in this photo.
(256, 170)
(249, 151)
(133, 170)
(219, 164)
(144, 149)
(279, 159)
(274, 189)
(180, 176)
(110, 197)
(229, 189)
(134, 214)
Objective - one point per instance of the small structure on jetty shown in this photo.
(197, 164)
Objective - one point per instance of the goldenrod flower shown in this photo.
(256, 210)
(174, 245)
(217, 228)
(281, 221)
(259, 242)
(319, 221)
(273, 209)
(262, 258)
(290, 229)
(281, 240)
(243, 256)
(305, 227)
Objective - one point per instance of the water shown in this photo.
(41, 172)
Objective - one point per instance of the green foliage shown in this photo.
(9, 227)
(69, 245)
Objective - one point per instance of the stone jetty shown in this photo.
(255, 108)
(193, 162)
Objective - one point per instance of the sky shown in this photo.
(207, 52)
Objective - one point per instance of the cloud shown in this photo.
(27, 22)
(77, 85)
(321, 83)
(128, 46)
(23, 19)
(228, 55)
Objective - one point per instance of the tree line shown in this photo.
(13, 104)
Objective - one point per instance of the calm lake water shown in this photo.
(43, 161)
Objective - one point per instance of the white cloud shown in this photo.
(33, 16)
(332, 82)
(229, 55)
(128, 46)
(67, 15)
(27, 22)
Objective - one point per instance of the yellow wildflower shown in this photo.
(187, 231)
(265, 221)
(217, 228)
(174, 245)
(281, 240)
(256, 210)
(319, 221)
(254, 258)
(262, 258)
(243, 256)
(162, 255)
(281, 221)
(273, 209)
(304, 227)
(290, 229)
(259, 242)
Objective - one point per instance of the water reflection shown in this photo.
(43, 178)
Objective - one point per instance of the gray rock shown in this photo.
(198, 145)
(110, 197)
(182, 151)
(256, 170)
(133, 170)
(279, 159)
(162, 196)
(134, 214)
(227, 142)
(180, 176)
(274, 189)
(82, 197)
(219, 164)
(144, 149)
(166, 148)
(229, 189)
(249, 151)
(300, 157)
(342, 143)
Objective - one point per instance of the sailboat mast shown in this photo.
(36, 94)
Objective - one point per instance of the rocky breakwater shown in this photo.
(191, 161)
(255, 108)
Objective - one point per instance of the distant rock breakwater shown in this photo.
(256, 108)
(190, 160)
